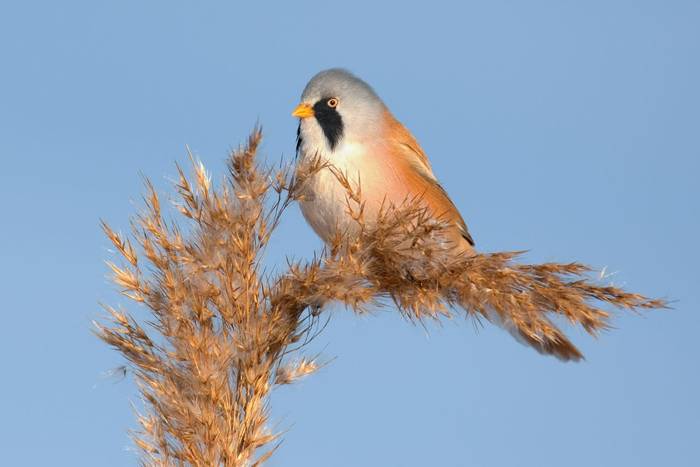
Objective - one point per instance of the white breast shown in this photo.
(325, 204)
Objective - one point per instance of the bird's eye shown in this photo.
(332, 102)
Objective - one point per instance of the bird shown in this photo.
(344, 123)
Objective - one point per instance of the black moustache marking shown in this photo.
(299, 138)
(330, 121)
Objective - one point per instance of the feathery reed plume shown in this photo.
(222, 335)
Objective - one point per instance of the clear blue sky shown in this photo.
(569, 128)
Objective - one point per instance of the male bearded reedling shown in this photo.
(345, 123)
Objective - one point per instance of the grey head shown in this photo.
(337, 106)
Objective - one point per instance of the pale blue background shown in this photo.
(570, 128)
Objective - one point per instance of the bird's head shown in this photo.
(335, 106)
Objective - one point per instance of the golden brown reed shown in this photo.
(222, 334)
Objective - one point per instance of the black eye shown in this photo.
(332, 102)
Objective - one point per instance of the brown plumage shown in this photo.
(368, 150)
(413, 168)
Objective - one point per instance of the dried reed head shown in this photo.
(221, 336)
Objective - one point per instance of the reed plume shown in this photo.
(222, 334)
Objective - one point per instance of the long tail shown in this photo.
(553, 343)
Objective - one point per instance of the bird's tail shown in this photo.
(554, 342)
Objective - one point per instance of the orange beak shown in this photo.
(303, 111)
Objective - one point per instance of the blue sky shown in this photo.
(571, 129)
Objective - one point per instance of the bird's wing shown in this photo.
(411, 152)
(409, 148)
